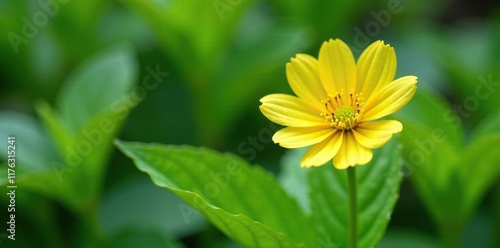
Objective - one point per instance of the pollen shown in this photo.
(342, 111)
(345, 118)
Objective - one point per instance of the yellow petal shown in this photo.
(375, 134)
(303, 77)
(337, 69)
(291, 111)
(320, 153)
(295, 137)
(351, 153)
(390, 98)
(376, 68)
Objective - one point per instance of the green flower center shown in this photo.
(345, 118)
(343, 113)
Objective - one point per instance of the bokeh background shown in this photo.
(220, 58)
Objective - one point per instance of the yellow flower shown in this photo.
(337, 103)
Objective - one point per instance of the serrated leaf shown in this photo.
(377, 188)
(246, 203)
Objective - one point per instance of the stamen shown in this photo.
(343, 115)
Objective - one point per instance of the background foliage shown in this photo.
(77, 74)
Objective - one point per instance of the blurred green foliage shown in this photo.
(191, 72)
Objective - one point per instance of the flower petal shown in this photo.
(295, 137)
(375, 134)
(337, 69)
(291, 111)
(303, 77)
(351, 153)
(390, 98)
(320, 153)
(376, 68)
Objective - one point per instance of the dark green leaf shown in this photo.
(378, 189)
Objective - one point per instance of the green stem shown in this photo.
(353, 208)
(89, 233)
(450, 234)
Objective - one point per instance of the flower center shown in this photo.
(342, 112)
(345, 117)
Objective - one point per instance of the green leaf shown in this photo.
(317, 15)
(247, 65)
(450, 179)
(140, 204)
(422, 152)
(407, 239)
(293, 178)
(55, 127)
(432, 138)
(442, 118)
(85, 126)
(244, 202)
(176, 24)
(106, 77)
(135, 237)
(378, 189)
(489, 125)
(34, 151)
(478, 171)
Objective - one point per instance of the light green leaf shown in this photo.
(293, 178)
(378, 189)
(106, 77)
(34, 148)
(422, 152)
(432, 138)
(55, 127)
(244, 202)
(84, 128)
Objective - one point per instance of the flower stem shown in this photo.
(353, 208)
